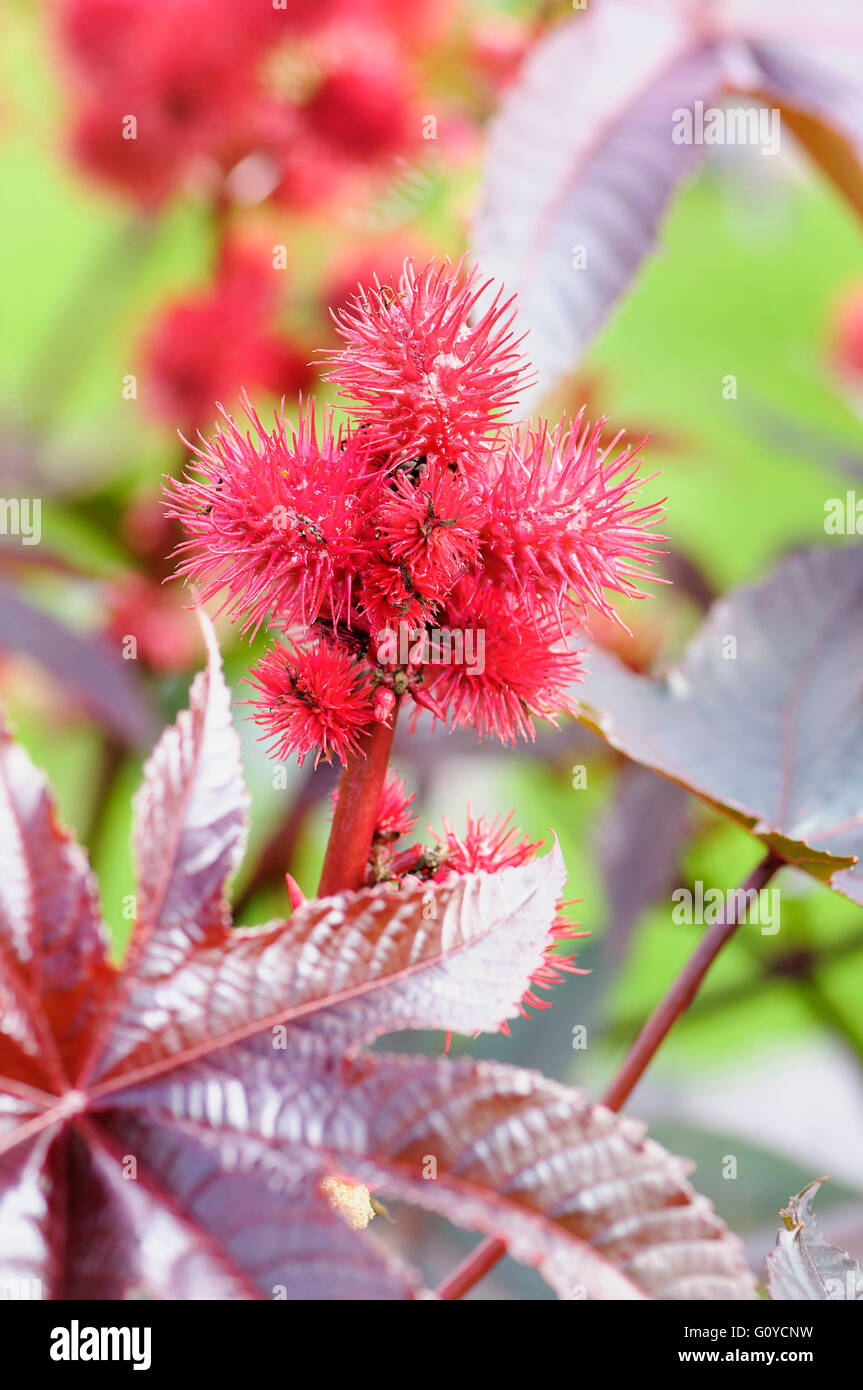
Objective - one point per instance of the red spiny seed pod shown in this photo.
(495, 668)
(561, 523)
(314, 699)
(273, 523)
(428, 372)
(431, 528)
(429, 552)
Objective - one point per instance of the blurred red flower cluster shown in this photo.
(206, 343)
(263, 110)
(184, 91)
(272, 115)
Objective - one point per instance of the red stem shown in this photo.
(642, 1052)
(356, 812)
(681, 994)
(474, 1268)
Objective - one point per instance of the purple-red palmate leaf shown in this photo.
(581, 164)
(54, 978)
(574, 1189)
(763, 718)
(803, 1265)
(165, 1127)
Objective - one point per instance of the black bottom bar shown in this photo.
(254, 1340)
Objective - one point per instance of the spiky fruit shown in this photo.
(273, 523)
(515, 666)
(312, 699)
(560, 522)
(426, 381)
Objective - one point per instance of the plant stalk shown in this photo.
(474, 1268)
(356, 812)
(681, 993)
